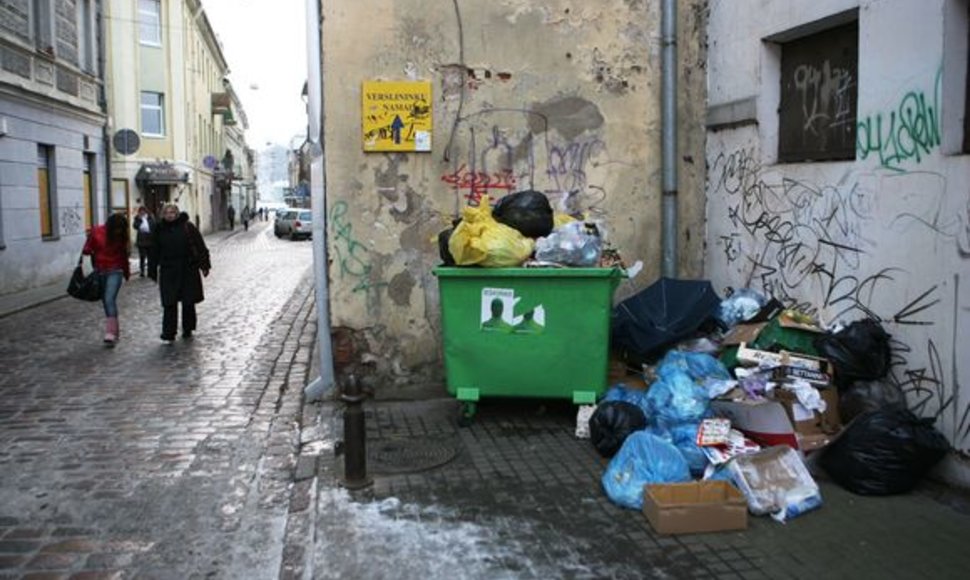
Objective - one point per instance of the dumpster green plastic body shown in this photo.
(526, 332)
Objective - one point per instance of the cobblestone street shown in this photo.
(155, 461)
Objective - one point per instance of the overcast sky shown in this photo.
(264, 42)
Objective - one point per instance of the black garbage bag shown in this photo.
(446, 258)
(527, 211)
(860, 352)
(864, 396)
(443, 251)
(612, 422)
(884, 452)
(664, 313)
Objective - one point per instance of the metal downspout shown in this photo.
(318, 192)
(669, 137)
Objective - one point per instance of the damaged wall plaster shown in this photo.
(562, 98)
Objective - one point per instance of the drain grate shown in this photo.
(411, 454)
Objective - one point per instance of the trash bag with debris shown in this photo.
(697, 365)
(528, 212)
(860, 352)
(480, 240)
(684, 438)
(644, 458)
(884, 452)
(574, 244)
(864, 396)
(775, 481)
(743, 305)
(612, 422)
(675, 399)
(621, 392)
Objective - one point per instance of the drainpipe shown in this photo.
(101, 39)
(318, 192)
(669, 137)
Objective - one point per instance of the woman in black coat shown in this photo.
(178, 255)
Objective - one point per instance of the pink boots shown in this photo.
(111, 332)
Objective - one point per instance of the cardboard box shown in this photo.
(813, 429)
(754, 357)
(695, 507)
(784, 421)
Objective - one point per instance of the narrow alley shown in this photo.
(163, 461)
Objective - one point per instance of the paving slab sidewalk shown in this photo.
(521, 498)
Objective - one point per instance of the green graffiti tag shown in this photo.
(352, 255)
(910, 132)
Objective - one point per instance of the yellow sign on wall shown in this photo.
(397, 116)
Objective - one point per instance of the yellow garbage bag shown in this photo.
(481, 240)
(561, 219)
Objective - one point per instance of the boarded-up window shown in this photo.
(819, 90)
(45, 157)
(87, 180)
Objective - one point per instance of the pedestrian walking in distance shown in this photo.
(178, 260)
(247, 214)
(231, 214)
(144, 226)
(108, 247)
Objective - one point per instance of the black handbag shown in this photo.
(87, 288)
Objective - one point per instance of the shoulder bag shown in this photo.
(87, 288)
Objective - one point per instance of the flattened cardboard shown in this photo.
(772, 422)
(695, 507)
(743, 333)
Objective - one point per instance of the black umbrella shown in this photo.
(662, 314)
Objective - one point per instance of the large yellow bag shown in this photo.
(481, 240)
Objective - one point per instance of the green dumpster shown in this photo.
(526, 332)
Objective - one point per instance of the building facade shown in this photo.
(52, 147)
(838, 163)
(169, 100)
(559, 97)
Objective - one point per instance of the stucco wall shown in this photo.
(886, 234)
(560, 96)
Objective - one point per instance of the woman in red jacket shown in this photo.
(108, 247)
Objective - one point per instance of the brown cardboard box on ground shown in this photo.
(695, 507)
(813, 429)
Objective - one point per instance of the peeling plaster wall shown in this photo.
(560, 96)
(886, 234)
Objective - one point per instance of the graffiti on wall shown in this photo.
(353, 257)
(908, 132)
(812, 246)
(507, 156)
(71, 220)
(825, 95)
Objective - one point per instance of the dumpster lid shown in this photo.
(447, 272)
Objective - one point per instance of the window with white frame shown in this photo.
(152, 114)
(150, 22)
(85, 33)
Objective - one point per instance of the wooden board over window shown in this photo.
(819, 90)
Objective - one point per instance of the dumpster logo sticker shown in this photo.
(498, 313)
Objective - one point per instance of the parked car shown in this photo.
(302, 225)
(283, 222)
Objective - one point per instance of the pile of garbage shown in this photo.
(740, 390)
(523, 230)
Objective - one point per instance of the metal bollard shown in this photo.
(355, 436)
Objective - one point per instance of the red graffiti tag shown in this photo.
(478, 183)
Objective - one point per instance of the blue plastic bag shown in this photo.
(644, 458)
(623, 393)
(685, 440)
(675, 399)
(697, 365)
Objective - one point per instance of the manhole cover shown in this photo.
(410, 455)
